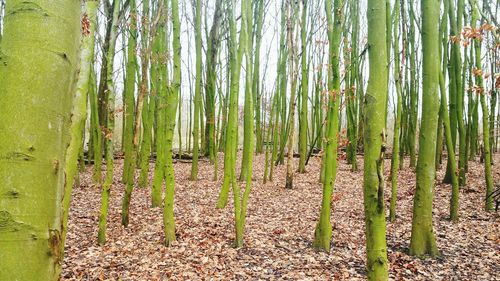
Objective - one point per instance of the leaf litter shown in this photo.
(279, 230)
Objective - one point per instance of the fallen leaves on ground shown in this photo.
(279, 231)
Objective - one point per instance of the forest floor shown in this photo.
(279, 231)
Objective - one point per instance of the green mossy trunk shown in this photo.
(210, 87)
(256, 89)
(129, 100)
(486, 123)
(304, 92)
(450, 148)
(108, 132)
(38, 71)
(248, 111)
(129, 114)
(323, 232)
(95, 129)
(412, 91)
(352, 90)
(79, 111)
(293, 72)
(241, 202)
(197, 92)
(375, 143)
(423, 241)
(149, 100)
(172, 104)
(235, 56)
(399, 108)
(162, 117)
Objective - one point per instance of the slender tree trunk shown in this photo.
(240, 208)
(79, 111)
(95, 128)
(108, 136)
(375, 143)
(172, 104)
(422, 236)
(197, 94)
(323, 232)
(256, 89)
(450, 148)
(129, 114)
(291, 22)
(484, 106)
(210, 87)
(129, 101)
(399, 108)
(304, 92)
(236, 55)
(149, 99)
(248, 111)
(162, 152)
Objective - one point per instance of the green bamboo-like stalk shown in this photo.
(162, 118)
(280, 88)
(79, 111)
(129, 101)
(172, 104)
(256, 89)
(235, 56)
(439, 141)
(304, 92)
(352, 89)
(413, 90)
(283, 80)
(293, 72)
(399, 108)
(269, 163)
(452, 65)
(323, 232)
(374, 143)
(210, 87)
(422, 236)
(95, 129)
(403, 142)
(225, 109)
(197, 92)
(450, 147)
(486, 123)
(456, 89)
(149, 100)
(248, 111)
(129, 114)
(110, 93)
(455, 192)
(38, 71)
(240, 208)
(469, 138)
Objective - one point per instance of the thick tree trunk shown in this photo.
(37, 82)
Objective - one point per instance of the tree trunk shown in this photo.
(33, 146)
(422, 236)
(323, 232)
(375, 143)
(197, 94)
(108, 136)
